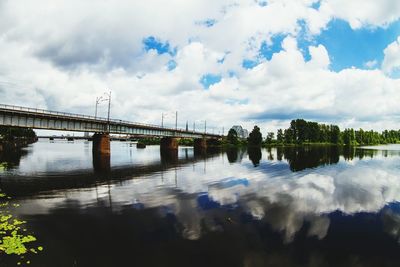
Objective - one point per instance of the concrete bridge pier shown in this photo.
(200, 144)
(169, 157)
(101, 144)
(101, 163)
(169, 143)
(169, 149)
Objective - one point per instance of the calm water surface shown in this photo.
(315, 206)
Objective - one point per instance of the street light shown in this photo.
(176, 120)
(164, 115)
(98, 100)
(109, 107)
(205, 125)
(104, 97)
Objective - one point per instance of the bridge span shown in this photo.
(34, 118)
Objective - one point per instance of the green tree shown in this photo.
(270, 137)
(232, 137)
(10, 133)
(289, 136)
(348, 137)
(255, 137)
(280, 137)
(335, 134)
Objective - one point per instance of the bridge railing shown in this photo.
(99, 119)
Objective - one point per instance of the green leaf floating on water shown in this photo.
(13, 238)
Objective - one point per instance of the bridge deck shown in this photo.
(53, 120)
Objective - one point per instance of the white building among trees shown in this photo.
(241, 133)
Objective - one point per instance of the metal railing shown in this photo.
(96, 119)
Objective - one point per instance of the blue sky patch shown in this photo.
(209, 79)
(171, 65)
(208, 22)
(267, 51)
(231, 101)
(262, 3)
(348, 47)
(304, 41)
(249, 64)
(232, 73)
(316, 5)
(161, 47)
(395, 74)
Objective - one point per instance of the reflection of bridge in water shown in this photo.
(101, 173)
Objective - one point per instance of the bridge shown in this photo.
(101, 127)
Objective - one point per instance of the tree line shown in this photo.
(301, 131)
(10, 133)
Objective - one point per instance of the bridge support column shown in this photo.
(101, 162)
(213, 143)
(200, 144)
(101, 143)
(169, 143)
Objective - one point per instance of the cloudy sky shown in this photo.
(228, 62)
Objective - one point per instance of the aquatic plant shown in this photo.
(14, 238)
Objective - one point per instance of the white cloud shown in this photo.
(360, 13)
(371, 64)
(391, 59)
(77, 50)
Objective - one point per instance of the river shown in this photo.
(309, 206)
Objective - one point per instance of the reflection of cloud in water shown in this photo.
(285, 200)
(391, 223)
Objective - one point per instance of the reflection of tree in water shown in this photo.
(254, 155)
(232, 154)
(235, 154)
(348, 152)
(270, 155)
(300, 158)
(362, 153)
(303, 157)
(11, 159)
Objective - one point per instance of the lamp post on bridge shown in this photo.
(167, 114)
(98, 100)
(101, 99)
(176, 120)
(108, 113)
(200, 121)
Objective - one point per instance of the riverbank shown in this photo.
(17, 143)
(321, 144)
